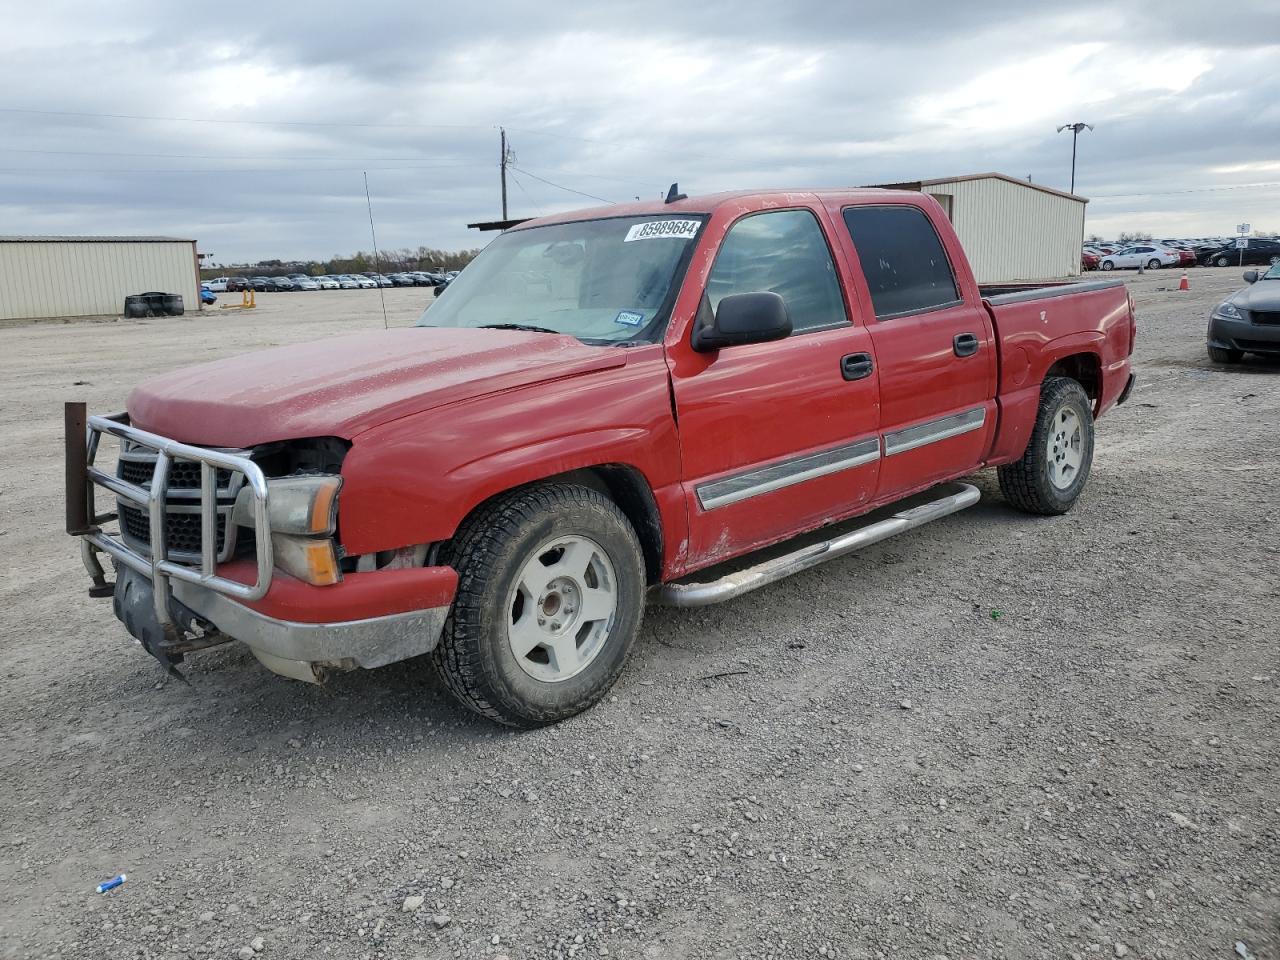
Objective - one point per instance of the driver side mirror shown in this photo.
(743, 318)
(1251, 276)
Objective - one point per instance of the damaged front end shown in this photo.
(147, 554)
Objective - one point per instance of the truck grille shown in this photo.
(184, 535)
(183, 531)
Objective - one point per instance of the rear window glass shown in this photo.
(902, 258)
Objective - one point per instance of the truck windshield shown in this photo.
(605, 281)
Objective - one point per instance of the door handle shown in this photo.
(856, 366)
(965, 344)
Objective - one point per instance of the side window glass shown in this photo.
(783, 253)
(902, 258)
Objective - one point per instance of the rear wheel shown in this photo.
(550, 600)
(1055, 467)
(1225, 355)
(1108, 265)
(1153, 264)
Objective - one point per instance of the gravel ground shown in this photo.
(999, 736)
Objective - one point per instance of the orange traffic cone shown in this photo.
(1183, 284)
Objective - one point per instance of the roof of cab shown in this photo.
(708, 203)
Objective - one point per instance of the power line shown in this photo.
(217, 156)
(526, 193)
(1168, 193)
(631, 145)
(110, 170)
(279, 123)
(559, 186)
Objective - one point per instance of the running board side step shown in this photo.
(960, 496)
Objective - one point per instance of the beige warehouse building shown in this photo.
(1010, 229)
(90, 276)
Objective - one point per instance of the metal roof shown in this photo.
(917, 184)
(17, 239)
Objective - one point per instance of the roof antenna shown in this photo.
(674, 194)
(377, 265)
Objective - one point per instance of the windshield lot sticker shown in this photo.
(653, 229)
(629, 318)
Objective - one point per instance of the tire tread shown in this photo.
(1024, 482)
(475, 554)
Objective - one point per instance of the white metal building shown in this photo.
(1010, 229)
(91, 276)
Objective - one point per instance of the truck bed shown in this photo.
(1017, 292)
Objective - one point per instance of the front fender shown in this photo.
(415, 479)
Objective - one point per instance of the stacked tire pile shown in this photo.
(153, 305)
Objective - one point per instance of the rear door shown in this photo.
(933, 342)
(775, 437)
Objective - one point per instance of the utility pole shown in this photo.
(503, 167)
(1075, 129)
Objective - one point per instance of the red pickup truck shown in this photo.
(605, 406)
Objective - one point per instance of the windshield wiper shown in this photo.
(529, 327)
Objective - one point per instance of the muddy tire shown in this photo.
(551, 585)
(1055, 467)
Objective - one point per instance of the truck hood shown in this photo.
(345, 385)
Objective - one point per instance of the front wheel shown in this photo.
(551, 584)
(1222, 262)
(1052, 472)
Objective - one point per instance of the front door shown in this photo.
(776, 437)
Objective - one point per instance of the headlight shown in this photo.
(1229, 311)
(303, 513)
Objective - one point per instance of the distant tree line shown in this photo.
(387, 261)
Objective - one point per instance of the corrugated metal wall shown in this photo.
(81, 279)
(1012, 232)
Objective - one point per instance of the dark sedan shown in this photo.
(1258, 252)
(1248, 321)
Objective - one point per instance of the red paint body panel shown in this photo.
(414, 479)
(344, 385)
(360, 596)
(441, 420)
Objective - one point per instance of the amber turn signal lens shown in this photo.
(312, 561)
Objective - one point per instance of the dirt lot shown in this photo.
(1000, 736)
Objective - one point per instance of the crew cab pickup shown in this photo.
(605, 406)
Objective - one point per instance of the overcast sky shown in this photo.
(247, 126)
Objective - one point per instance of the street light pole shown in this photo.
(1075, 129)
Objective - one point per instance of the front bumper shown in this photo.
(176, 604)
(1242, 335)
(303, 650)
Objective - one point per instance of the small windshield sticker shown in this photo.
(629, 318)
(653, 229)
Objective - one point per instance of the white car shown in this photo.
(217, 284)
(327, 283)
(1142, 255)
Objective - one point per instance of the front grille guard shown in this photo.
(84, 521)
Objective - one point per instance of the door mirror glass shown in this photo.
(743, 318)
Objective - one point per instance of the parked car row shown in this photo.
(354, 281)
(1205, 252)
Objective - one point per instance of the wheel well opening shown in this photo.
(625, 486)
(1084, 368)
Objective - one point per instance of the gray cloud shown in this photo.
(614, 100)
